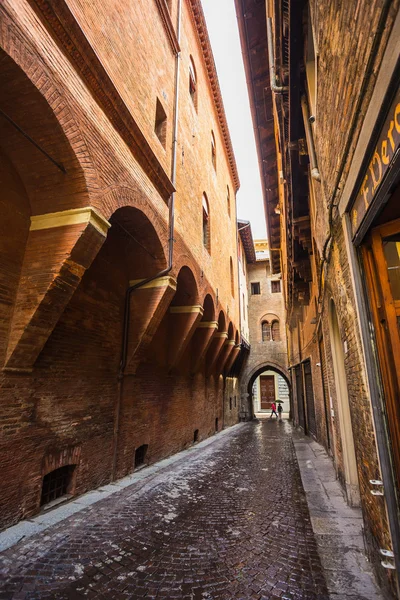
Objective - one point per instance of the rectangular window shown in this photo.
(255, 288)
(275, 286)
(160, 127)
(56, 484)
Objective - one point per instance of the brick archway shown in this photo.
(26, 60)
(249, 378)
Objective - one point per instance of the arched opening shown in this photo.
(208, 309)
(221, 322)
(265, 331)
(349, 456)
(275, 331)
(206, 224)
(267, 384)
(192, 82)
(232, 277)
(186, 290)
(213, 151)
(36, 179)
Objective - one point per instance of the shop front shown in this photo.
(373, 236)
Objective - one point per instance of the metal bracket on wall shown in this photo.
(378, 484)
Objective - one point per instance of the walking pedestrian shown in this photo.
(273, 410)
(280, 410)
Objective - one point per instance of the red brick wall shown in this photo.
(64, 408)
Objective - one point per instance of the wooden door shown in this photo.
(381, 257)
(300, 397)
(267, 387)
(308, 384)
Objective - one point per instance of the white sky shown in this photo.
(224, 34)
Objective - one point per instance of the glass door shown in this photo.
(381, 255)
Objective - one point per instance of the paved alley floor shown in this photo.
(228, 519)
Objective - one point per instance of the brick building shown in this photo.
(118, 271)
(265, 377)
(323, 84)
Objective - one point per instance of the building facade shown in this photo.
(265, 377)
(119, 286)
(323, 83)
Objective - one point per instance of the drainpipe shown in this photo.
(315, 174)
(277, 89)
(171, 215)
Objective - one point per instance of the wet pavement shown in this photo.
(226, 520)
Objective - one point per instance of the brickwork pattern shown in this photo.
(227, 523)
(68, 398)
(265, 306)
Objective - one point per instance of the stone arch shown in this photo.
(339, 371)
(231, 331)
(269, 317)
(249, 378)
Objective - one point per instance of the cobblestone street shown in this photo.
(229, 519)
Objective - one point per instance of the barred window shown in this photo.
(56, 484)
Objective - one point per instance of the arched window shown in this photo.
(193, 82)
(206, 224)
(213, 151)
(232, 278)
(266, 331)
(275, 331)
(228, 200)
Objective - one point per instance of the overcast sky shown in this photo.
(224, 34)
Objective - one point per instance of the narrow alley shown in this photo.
(229, 521)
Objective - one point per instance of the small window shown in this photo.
(275, 286)
(216, 424)
(232, 278)
(160, 127)
(213, 151)
(196, 436)
(56, 484)
(193, 82)
(140, 455)
(230, 403)
(228, 200)
(255, 289)
(206, 224)
(265, 331)
(275, 331)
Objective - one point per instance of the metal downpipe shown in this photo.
(132, 288)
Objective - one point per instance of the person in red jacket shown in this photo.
(273, 410)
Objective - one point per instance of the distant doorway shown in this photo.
(266, 386)
(267, 391)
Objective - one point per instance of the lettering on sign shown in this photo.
(384, 152)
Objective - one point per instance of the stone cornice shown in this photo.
(59, 17)
(201, 28)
